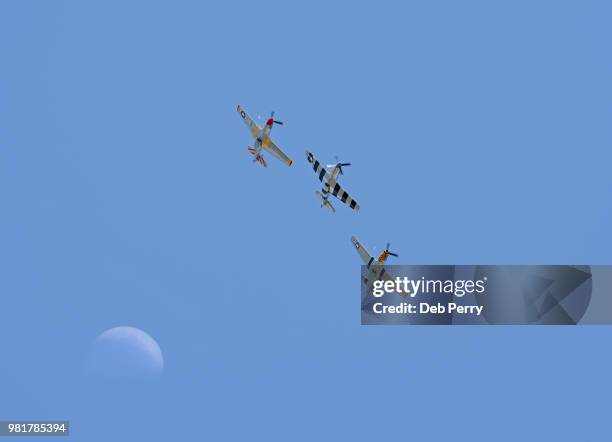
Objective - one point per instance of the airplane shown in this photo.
(262, 139)
(330, 184)
(375, 268)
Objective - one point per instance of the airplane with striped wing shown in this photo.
(261, 135)
(330, 183)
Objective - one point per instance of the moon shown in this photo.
(126, 351)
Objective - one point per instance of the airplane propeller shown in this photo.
(275, 121)
(259, 117)
(389, 252)
(339, 165)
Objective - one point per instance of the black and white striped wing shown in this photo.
(318, 168)
(343, 196)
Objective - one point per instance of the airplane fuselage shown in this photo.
(376, 271)
(328, 186)
(261, 137)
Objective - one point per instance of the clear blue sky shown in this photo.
(479, 132)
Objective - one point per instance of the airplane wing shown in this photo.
(318, 168)
(363, 253)
(324, 176)
(269, 145)
(253, 127)
(343, 196)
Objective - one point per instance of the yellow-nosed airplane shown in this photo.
(376, 268)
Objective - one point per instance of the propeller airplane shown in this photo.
(262, 139)
(375, 267)
(330, 183)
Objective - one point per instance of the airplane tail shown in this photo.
(258, 157)
(325, 202)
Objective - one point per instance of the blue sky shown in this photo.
(479, 132)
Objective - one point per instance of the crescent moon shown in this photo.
(126, 350)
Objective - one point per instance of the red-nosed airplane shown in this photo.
(262, 139)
